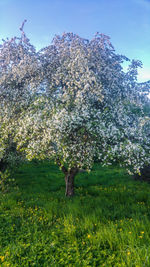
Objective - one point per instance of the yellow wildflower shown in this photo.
(2, 258)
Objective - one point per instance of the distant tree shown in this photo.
(73, 103)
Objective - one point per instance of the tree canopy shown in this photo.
(73, 103)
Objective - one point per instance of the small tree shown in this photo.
(79, 105)
(9, 156)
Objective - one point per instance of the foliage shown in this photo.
(106, 224)
(72, 102)
(86, 107)
(9, 156)
(144, 174)
(7, 182)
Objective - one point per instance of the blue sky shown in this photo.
(127, 22)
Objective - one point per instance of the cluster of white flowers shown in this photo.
(73, 103)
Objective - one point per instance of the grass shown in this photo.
(107, 223)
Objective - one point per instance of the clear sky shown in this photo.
(127, 22)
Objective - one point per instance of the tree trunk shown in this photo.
(69, 179)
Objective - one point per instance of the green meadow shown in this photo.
(106, 223)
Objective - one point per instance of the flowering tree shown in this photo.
(17, 61)
(75, 104)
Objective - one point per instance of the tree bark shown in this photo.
(69, 180)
